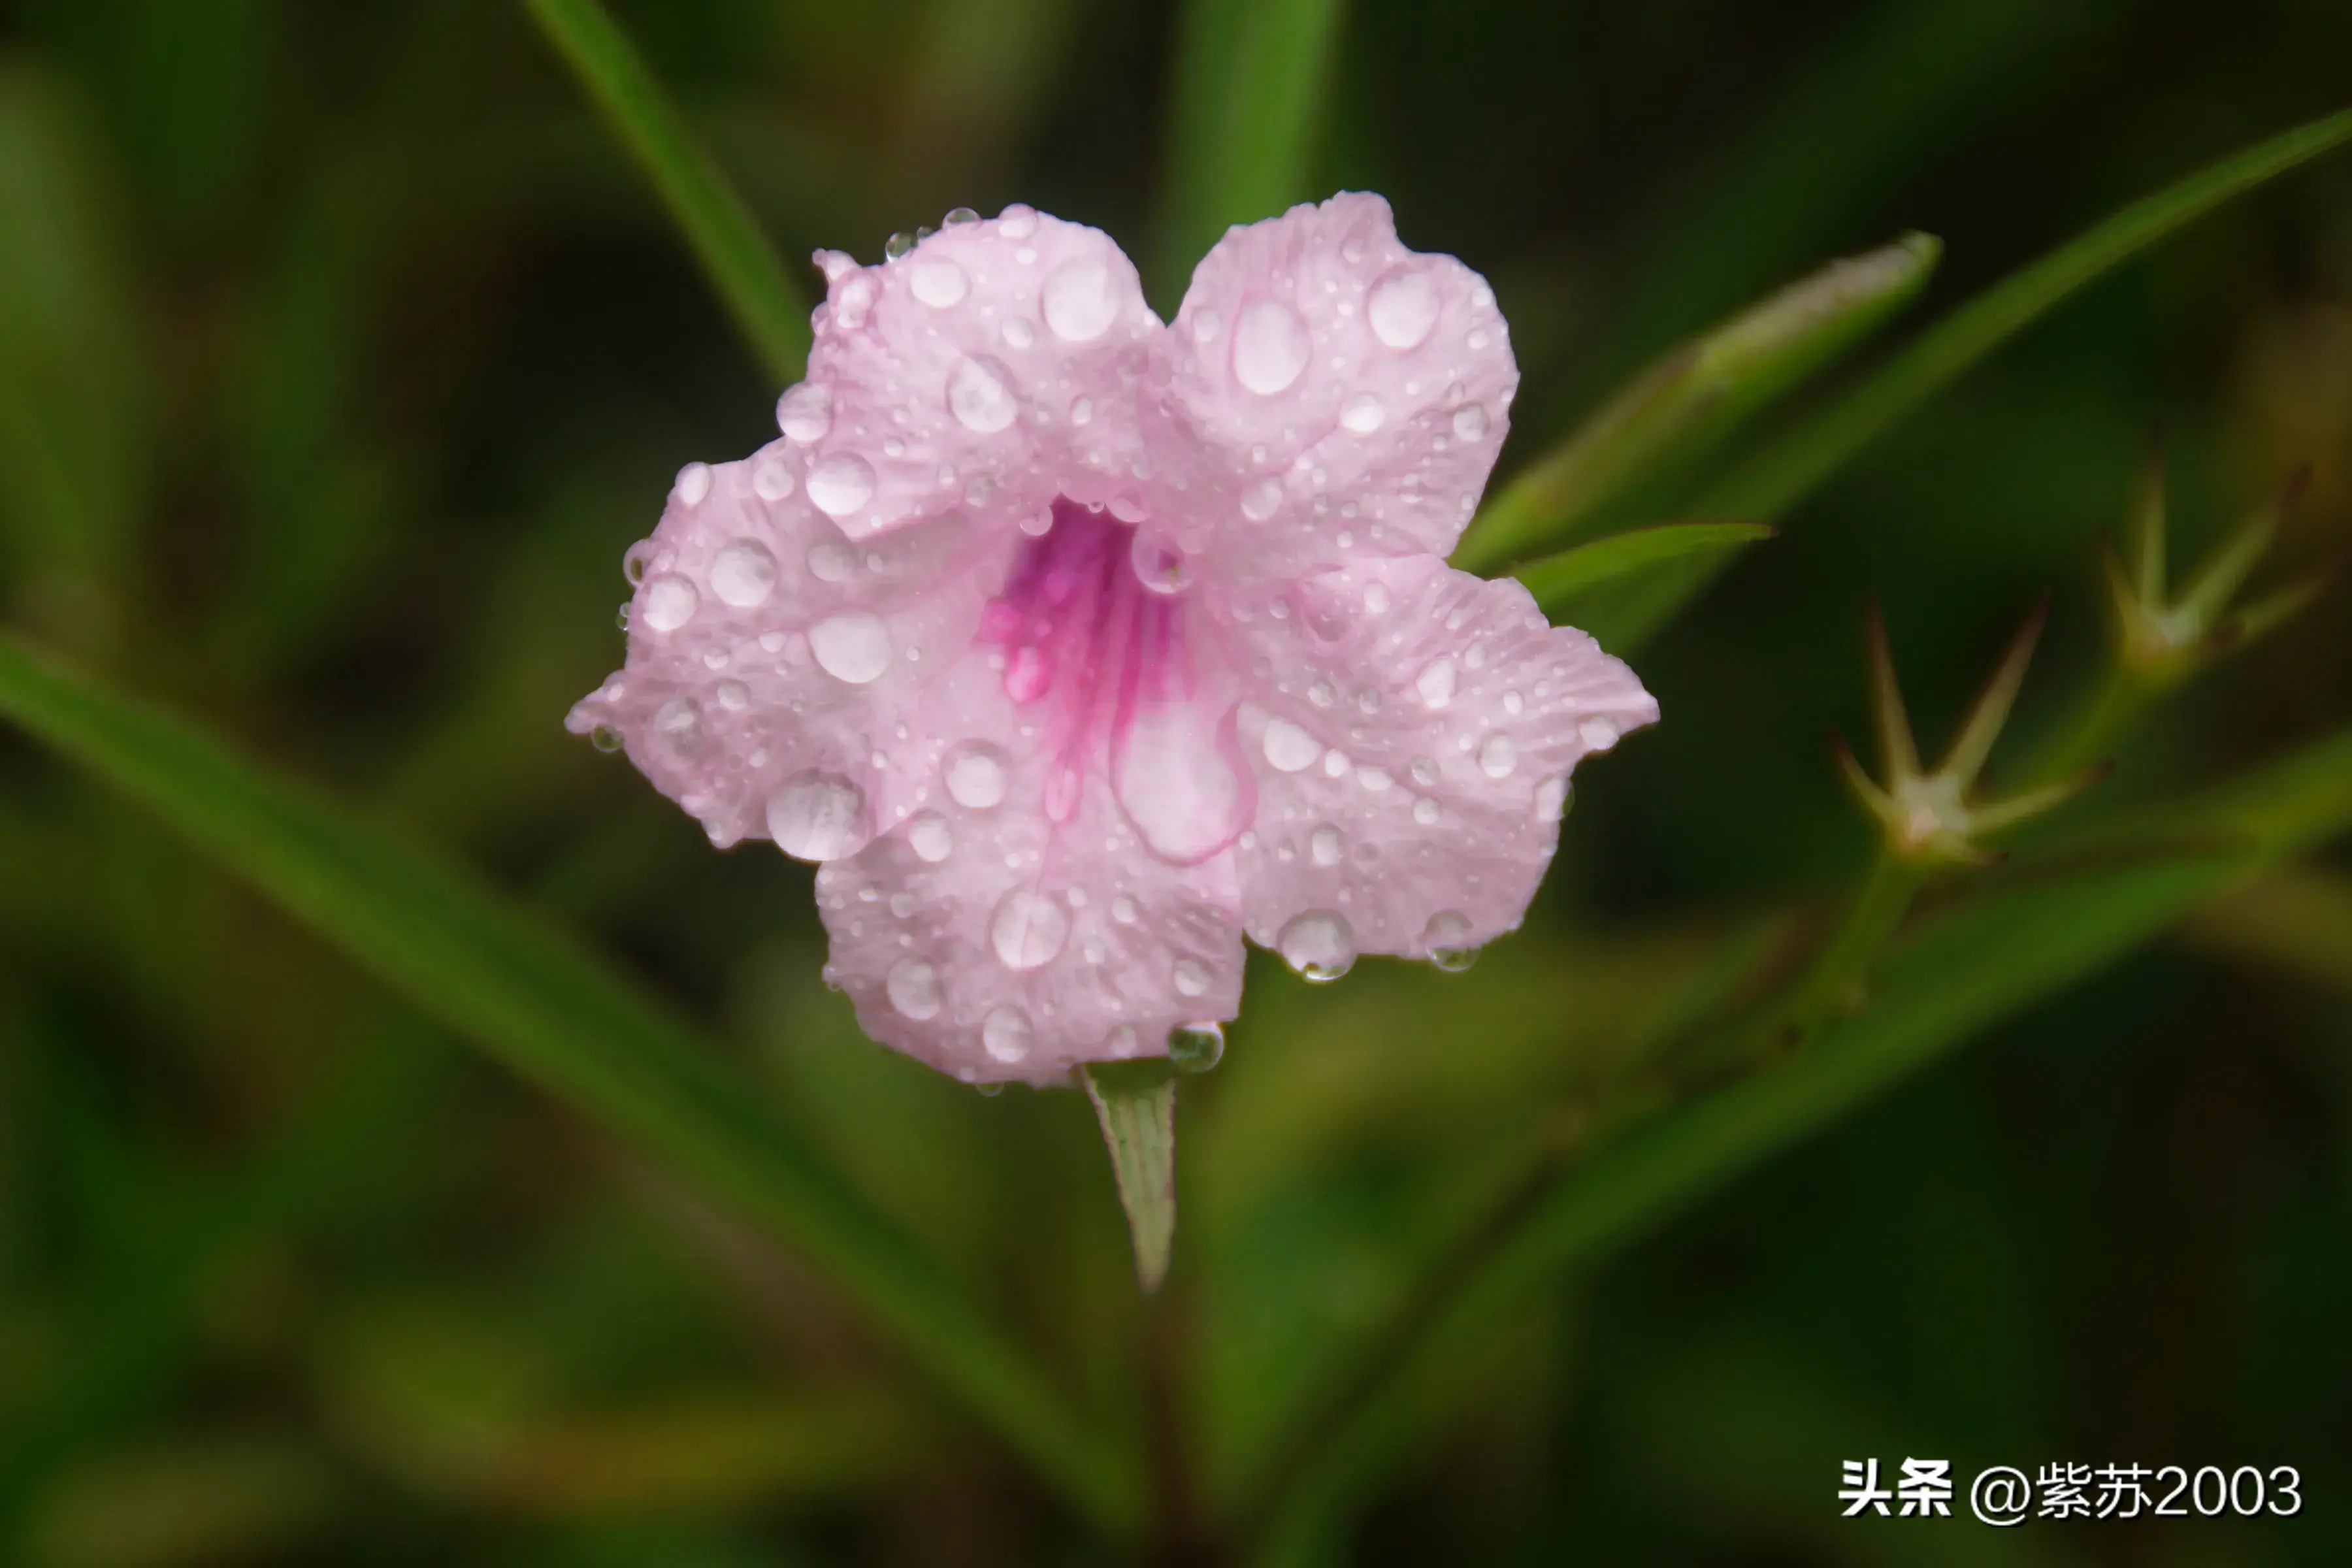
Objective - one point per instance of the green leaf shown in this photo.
(1988, 962)
(1696, 395)
(1789, 468)
(2296, 919)
(1577, 586)
(1136, 1103)
(742, 264)
(1250, 76)
(557, 1013)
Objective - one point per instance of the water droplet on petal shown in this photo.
(679, 722)
(1435, 682)
(978, 397)
(1402, 308)
(1598, 735)
(939, 283)
(744, 573)
(1178, 774)
(1319, 944)
(1190, 977)
(1325, 845)
(817, 817)
(734, 696)
(830, 561)
(840, 484)
(1289, 748)
(854, 648)
(974, 774)
(1018, 334)
(898, 245)
(1196, 1047)
(1160, 569)
(1469, 422)
(1363, 413)
(1080, 300)
(635, 560)
(805, 412)
(693, 483)
(1259, 501)
(1271, 346)
(914, 988)
(928, 836)
(669, 603)
(1447, 939)
(1018, 222)
(1553, 798)
(1027, 930)
(772, 482)
(604, 737)
(959, 214)
(1499, 756)
(1122, 909)
(1207, 325)
(1376, 598)
(1006, 1034)
(1424, 811)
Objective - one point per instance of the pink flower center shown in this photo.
(1092, 629)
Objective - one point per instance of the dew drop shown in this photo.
(959, 214)
(1080, 301)
(1190, 977)
(1196, 1047)
(669, 602)
(853, 647)
(1159, 569)
(805, 412)
(1376, 598)
(1435, 682)
(1402, 308)
(1122, 909)
(1319, 944)
(1006, 1034)
(693, 483)
(914, 988)
(939, 284)
(840, 484)
(635, 560)
(604, 737)
(897, 246)
(679, 722)
(977, 396)
(1027, 930)
(772, 482)
(1325, 845)
(744, 573)
(830, 561)
(1120, 1043)
(1424, 811)
(734, 696)
(1289, 748)
(1469, 422)
(817, 817)
(1259, 501)
(1018, 222)
(928, 836)
(1018, 334)
(1514, 704)
(1499, 756)
(1598, 735)
(1271, 347)
(1447, 939)
(1363, 413)
(974, 775)
(1553, 798)
(1206, 326)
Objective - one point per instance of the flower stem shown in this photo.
(1830, 987)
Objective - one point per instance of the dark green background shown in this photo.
(341, 354)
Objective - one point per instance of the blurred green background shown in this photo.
(341, 354)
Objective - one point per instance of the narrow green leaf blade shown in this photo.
(1985, 962)
(742, 264)
(1563, 583)
(532, 996)
(1791, 468)
(1136, 1103)
(1250, 76)
(1696, 395)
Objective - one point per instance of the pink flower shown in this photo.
(1076, 646)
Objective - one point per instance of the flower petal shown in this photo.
(997, 944)
(1326, 394)
(990, 368)
(1414, 728)
(775, 670)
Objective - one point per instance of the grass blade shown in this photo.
(1248, 98)
(536, 999)
(1985, 962)
(1788, 470)
(1696, 395)
(742, 262)
(1576, 587)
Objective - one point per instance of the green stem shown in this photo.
(1827, 991)
(2092, 736)
(742, 262)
